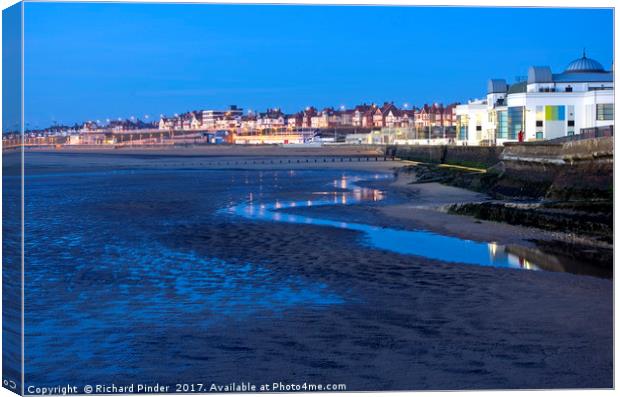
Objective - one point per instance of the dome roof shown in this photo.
(584, 64)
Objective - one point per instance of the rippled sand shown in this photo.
(135, 274)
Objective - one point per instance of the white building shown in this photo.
(271, 119)
(545, 106)
(475, 125)
(214, 119)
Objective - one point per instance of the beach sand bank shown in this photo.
(210, 157)
(427, 209)
(218, 150)
(405, 322)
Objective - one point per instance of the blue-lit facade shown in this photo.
(514, 121)
(502, 124)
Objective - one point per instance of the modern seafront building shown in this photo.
(546, 105)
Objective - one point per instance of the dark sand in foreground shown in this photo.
(425, 324)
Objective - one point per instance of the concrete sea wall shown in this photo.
(573, 170)
(475, 156)
(568, 171)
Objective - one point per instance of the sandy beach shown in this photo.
(305, 302)
(218, 150)
(422, 205)
(427, 210)
(210, 157)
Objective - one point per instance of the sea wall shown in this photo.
(486, 156)
(568, 188)
(573, 170)
(474, 156)
(569, 171)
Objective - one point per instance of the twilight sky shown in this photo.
(94, 61)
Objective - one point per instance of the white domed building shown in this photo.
(546, 105)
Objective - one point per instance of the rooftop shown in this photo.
(584, 65)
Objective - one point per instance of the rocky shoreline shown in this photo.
(583, 228)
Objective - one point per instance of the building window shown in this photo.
(463, 132)
(539, 135)
(539, 123)
(502, 125)
(515, 121)
(571, 123)
(478, 128)
(605, 111)
(569, 89)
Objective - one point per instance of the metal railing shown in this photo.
(586, 133)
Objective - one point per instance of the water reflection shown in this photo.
(502, 253)
(417, 242)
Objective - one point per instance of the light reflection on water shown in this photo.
(418, 242)
(114, 273)
(126, 285)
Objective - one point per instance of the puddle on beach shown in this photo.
(410, 242)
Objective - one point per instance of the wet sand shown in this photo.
(422, 324)
(427, 209)
(260, 158)
(218, 150)
(425, 205)
(408, 323)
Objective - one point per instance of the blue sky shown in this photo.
(96, 61)
(11, 68)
